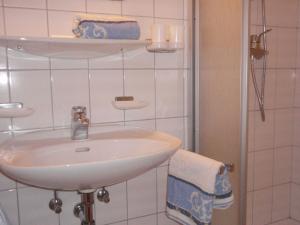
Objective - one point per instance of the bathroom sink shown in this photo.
(51, 160)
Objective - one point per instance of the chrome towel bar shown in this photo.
(228, 166)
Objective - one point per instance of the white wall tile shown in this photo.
(138, 7)
(21, 61)
(139, 58)
(104, 6)
(297, 127)
(285, 81)
(9, 204)
(4, 97)
(284, 127)
(142, 189)
(120, 223)
(297, 86)
(61, 23)
(107, 62)
(162, 219)
(147, 124)
(26, 22)
(69, 63)
(162, 178)
(33, 89)
(298, 46)
(281, 202)
(286, 54)
(296, 165)
(147, 220)
(253, 12)
(272, 40)
(69, 5)
(264, 131)
(6, 183)
(285, 222)
(169, 93)
(34, 209)
(105, 86)
(276, 10)
(263, 169)
(282, 165)
(3, 60)
(262, 206)
(2, 27)
(293, 222)
(295, 201)
(69, 199)
(116, 209)
(70, 88)
(39, 4)
(141, 85)
(173, 126)
(163, 9)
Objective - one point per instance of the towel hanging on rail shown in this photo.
(196, 187)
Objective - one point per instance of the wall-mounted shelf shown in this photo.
(14, 109)
(163, 47)
(75, 48)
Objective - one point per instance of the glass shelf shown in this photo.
(72, 48)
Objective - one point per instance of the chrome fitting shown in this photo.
(55, 204)
(103, 195)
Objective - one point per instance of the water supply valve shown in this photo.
(55, 204)
(103, 195)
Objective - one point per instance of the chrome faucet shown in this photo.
(79, 123)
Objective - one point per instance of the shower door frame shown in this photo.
(243, 97)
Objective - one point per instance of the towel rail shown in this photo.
(228, 166)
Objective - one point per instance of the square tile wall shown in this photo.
(52, 86)
(273, 153)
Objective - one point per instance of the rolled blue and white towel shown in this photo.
(195, 188)
(105, 27)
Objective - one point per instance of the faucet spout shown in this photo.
(79, 123)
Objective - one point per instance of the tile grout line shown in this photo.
(51, 93)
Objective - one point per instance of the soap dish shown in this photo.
(9, 110)
(128, 102)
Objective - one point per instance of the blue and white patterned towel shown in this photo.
(189, 204)
(97, 27)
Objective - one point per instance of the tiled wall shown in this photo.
(273, 192)
(53, 86)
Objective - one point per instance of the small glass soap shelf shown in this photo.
(14, 109)
(162, 47)
(128, 103)
(69, 47)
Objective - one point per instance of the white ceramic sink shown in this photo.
(51, 160)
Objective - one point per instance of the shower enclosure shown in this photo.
(273, 184)
(256, 128)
